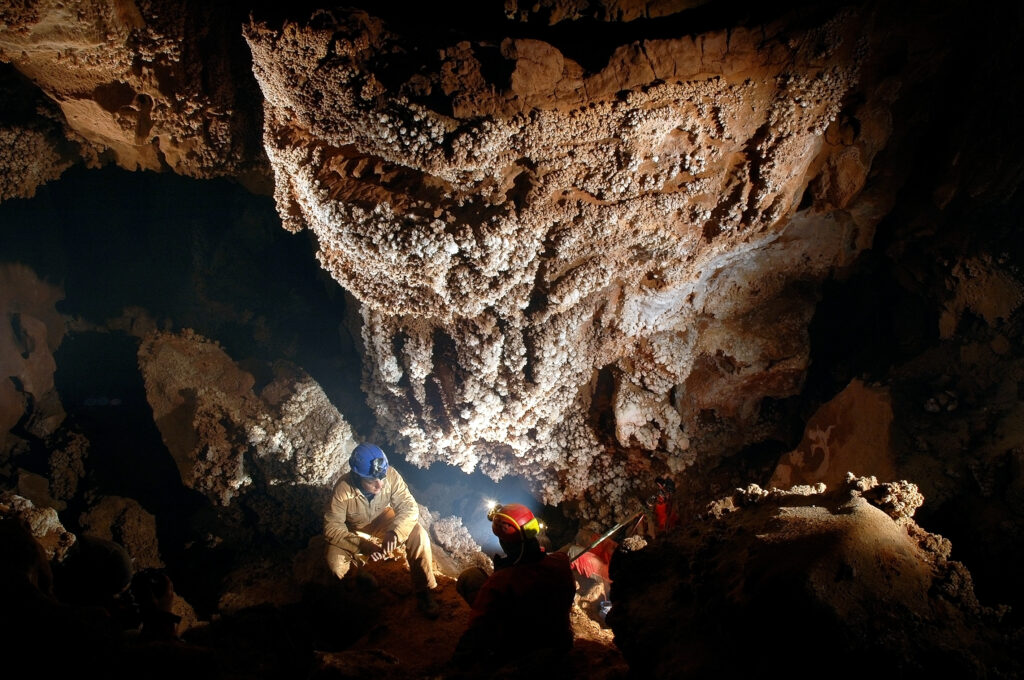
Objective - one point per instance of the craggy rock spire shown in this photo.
(576, 275)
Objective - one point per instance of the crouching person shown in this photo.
(527, 601)
(374, 499)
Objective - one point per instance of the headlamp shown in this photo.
(378, 468)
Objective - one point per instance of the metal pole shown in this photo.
(608, 534)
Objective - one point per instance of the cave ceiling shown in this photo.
(587, 240)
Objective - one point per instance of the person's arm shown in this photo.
(407, 511)
(335, 527)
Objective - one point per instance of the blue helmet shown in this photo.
(367, 460)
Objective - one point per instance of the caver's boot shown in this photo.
(427, 605)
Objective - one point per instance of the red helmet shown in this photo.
(513, 522)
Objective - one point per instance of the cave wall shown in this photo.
(588, 241)
(602, 271)
(148, 86)
(514, 241)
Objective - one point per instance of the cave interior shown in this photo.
(567, 253)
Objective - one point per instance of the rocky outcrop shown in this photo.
(454, 547)
(806, 579)
(147, 85)
(125, 522)
(283, 441)
(572, 263)
(41, 522)
(31, 329)
(851, 433)
(555, 11)
(35, 145)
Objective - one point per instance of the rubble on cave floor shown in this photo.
(395, 637)
(287, 618)
(812, 577)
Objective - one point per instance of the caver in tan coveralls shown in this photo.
(392, 509)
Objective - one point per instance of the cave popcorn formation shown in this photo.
(507, 253)
(588, 257)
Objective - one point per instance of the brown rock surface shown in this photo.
(127, 523)
(224, 435)
(627, 220)
(31, 329)
(136, 84)
(848, 434)
(592, 243)
(602, 261)
(35, 145)
(42, 523)
(809, 580)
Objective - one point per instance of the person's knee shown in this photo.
(338, 561)
(418, 534)
(418, 539)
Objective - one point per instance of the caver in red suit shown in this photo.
(526, 600)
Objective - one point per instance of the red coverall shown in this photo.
(527, 604)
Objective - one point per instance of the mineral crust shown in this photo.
(286, 440)
(569, 273)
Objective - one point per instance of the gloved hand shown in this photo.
(388, 546)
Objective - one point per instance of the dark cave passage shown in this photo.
(206, 255)
(138, 250)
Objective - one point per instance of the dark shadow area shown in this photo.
(863, 326)
(206, 255)
(100, 386)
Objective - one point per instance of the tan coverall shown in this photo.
(392, 509)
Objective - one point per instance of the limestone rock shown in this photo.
(36, 488)
(35, 145)
(132, 81)
(819, 576)
(983, 286)
(458, 549)
(601, 10)
(43, 524)
(199, 398)
(286, 443)
(848, 434)
(31, 329)
(510, 248)
(68, 452)
(125, 522)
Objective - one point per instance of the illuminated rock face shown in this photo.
(849, 434)
(285, 441)
(567, 264)
(150, 86)
(583, 261)
(809, 576)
